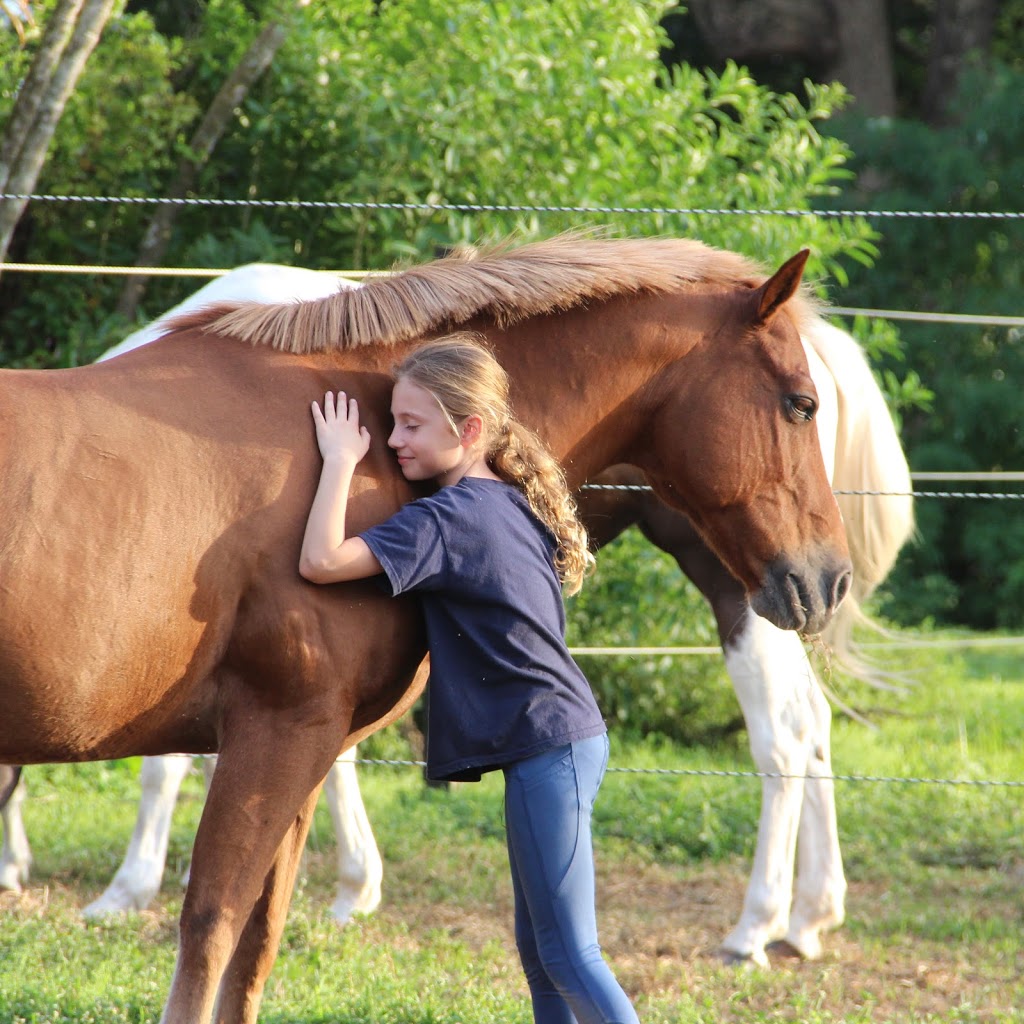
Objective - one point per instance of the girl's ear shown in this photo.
(472, 430)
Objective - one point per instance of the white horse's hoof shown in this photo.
(744, 961)
(12, 877)
(798, 946)
(117, 901)
(345, 906)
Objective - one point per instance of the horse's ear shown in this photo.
(781, 286)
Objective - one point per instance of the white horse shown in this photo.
(797, 886)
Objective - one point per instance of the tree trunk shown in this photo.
(963, 31)
(26, 106)
(202, 144)
(849, 38)
(71, 35)
(750, 30)
(864, 62)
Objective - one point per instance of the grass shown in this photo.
(935, 911)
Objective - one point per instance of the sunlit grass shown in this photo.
(934, 909)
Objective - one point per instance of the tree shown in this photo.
(963, 32)
(864, 61)
(248, 70)
(893, 58)
(842, 40)
(72, 31)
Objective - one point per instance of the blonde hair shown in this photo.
(465, 378)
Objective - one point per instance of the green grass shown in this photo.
(935, 911)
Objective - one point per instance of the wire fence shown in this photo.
(446, 207)
(977, 319)
(736, 774)
(891, 314)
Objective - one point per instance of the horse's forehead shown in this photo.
(784, 349)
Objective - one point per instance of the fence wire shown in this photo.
(323, 204)
(736, 774)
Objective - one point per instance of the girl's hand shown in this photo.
(338, 432)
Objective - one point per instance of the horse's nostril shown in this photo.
(842, 587)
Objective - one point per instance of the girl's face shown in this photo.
(423, 439)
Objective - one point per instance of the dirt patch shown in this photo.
(661, 927)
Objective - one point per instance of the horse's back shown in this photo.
(257, 282)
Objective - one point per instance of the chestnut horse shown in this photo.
(788, 718)
(155, 506)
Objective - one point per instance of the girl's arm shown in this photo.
(327, 555)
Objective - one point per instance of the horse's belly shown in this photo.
(85, 681)
(60, 716)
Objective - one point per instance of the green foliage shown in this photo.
(965, 568)
(546, 105)
(532, 104)
(116, 137)
(15, 60)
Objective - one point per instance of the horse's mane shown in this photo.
(503, 283)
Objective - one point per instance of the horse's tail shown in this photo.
(869, 458)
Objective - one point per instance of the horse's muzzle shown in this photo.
(803, 596)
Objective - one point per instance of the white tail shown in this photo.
(868, 457)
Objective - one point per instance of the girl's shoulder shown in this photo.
(478, 497)
(478, 489)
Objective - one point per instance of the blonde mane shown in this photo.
(505, 284)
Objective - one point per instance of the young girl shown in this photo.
(488, 554)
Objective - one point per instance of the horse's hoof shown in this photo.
(785, 950)
(744, 961)
(10, 882)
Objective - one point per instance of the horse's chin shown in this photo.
(803, 596)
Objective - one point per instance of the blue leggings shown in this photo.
(548, 803)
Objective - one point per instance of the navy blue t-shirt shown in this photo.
(503, 685)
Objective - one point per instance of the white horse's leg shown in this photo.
(138, 878)
(15, 855)
(360, 870)
(771, 675)
(818, 903)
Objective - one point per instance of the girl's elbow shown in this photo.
(312, 570)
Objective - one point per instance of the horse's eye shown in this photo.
(801, 407)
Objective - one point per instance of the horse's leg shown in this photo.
(818, 902)
(771, 675)
(360, 870)
(769, 671)
(209, 762)
(242, 987)
(268, 770)
(9, 776)
(138, 878)
(15, 855)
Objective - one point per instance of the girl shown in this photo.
(488, 554)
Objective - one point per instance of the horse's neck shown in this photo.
(588, 398)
